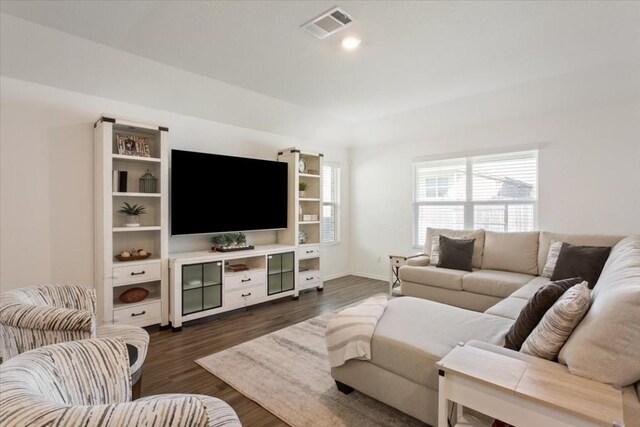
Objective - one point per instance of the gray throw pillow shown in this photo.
(534, 311)
(581, 261)
(456, 254)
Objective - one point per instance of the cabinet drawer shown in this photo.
(137, 273)
(244, 297)
(139, 315)
(309, 252)
(242, 280)
(309, 277)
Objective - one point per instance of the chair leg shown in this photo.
(136, 389)
(344, 388)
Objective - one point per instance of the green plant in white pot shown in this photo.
(132, 213)
(217, 241)
(241, 239)
(302, 186)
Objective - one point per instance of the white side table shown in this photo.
(522, 393)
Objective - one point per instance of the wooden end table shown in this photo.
(521, 393)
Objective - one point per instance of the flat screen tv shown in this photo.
(211, 193)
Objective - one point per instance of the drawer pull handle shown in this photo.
(309, 252)
(137, 274)
(310, 278)
(246, 295)
(138, 314)
(246, 280)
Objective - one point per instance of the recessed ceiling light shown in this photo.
(351, 43)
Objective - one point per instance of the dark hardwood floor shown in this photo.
(170, 366)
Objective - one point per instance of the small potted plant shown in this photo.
(217, 241)
(227, 240)
(241, 240)
(133, 213)
(302, 186)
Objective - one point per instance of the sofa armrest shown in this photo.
(418, 260)
(48, 318)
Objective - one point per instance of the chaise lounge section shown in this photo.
(415, 333)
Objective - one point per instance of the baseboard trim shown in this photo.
(370, 276)
(335, 276)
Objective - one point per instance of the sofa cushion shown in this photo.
(508, 307)
(517, 252)
(478, 235)
(546, 340)
(547, 237)
(606, 344)
(534, 309)
(584, 261)
(433, 276)
(413, 334)
(493, 282)
(455, 254)
(528, 290)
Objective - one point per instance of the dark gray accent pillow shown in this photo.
(535, 310)
(456, 253)
(584, 261)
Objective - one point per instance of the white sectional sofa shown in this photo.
(502, 264)
(414, 333)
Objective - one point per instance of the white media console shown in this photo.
(204, 283)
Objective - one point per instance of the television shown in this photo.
(212, 193)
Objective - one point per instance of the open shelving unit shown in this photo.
(113, 277)
(304, 233)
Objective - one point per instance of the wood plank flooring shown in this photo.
(170, 366)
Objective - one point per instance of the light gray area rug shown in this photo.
(287, 372)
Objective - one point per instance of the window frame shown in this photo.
(336, 174)
(468, 204)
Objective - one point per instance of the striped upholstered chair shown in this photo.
(87, 383)
(49, 314)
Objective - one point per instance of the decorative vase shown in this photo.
(132, 221)
(301, 193)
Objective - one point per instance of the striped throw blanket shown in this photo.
(348, 334)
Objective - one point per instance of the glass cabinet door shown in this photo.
(281, 273)
(201, 287)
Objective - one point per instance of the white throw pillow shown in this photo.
(552, 258)
(546, 340)
(435, 250)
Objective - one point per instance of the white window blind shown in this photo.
(330, 203)
(496, 192)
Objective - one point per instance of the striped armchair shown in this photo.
(48, 314)
(87, 383)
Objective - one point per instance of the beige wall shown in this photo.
(46, 179)
(589, 177)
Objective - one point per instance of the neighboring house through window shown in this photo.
(497, 192)
(330, 203)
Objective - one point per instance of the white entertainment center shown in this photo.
(179, 287)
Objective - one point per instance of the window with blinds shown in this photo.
(496, 192)
(330, 203)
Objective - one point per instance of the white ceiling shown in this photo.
(414, 54)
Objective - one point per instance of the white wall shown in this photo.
(46, 178)
(589, 176)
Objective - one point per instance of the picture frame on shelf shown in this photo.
(133, 145)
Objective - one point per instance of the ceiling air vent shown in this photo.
(328, 23)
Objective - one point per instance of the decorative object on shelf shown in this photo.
(133, 255)
(120, 181)
(237, 267)
(133, 145)
(302, 186)
(309, 217)
(133, 213)
(148, 183)
(302, 166)
(133, 295)
(229, 242)
(302, 237)
(313, 172)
